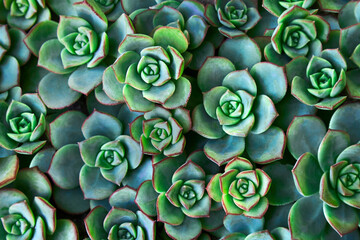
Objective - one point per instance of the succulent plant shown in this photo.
(27, 214)
(77, 51)
(233, 17)
(299, 33)
(279, 6)
(152, 70)
(179, 197)
(161, 131)
(24, 14)
(23, 123)
(325, 80)
(107, 154)
(332, 162)
(120, 222)
(276, 234)
(237, 103)
(13, 54)
(241, 189)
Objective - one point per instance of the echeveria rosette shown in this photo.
(123, 221)
(23, 124)
(24, 14)
(241, 189)
(26, 212)
(279, 233)
(239, 105)
(332, 162)
(161, 131)
(233, 17)
(277, 7)
(75, 48)
(107, 152)
(325, 80)
(152, 70)
(13, 54)
(299, 33)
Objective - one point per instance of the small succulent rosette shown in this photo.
(162, 132)
(24, 14)
(233, 17)
(324, 82)
(299, 33)
(177, 196)
(75, 48)
(13, 54)
(123, 221)
(23, 124)
(26, 212)
(108, 155)
(326, 174)
(279, 233)
(277, 7)
(241, 189)
(239, 105)
(152, 70)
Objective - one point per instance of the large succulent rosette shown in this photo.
(299, 33)
(123, 221)
(326, 173)
(237, 104)
(152, 70)
(13, 54)
(74, 49)
(22, 124)
(233, 17)
(241, 189)
(24, 14)
(26, 212)
(161, 132)
(325, 80)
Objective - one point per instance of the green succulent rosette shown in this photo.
(74, 49)
(24, 14)
(233, 17)
(13, 54)
(161, 132)
(22, 124)
(239, 105)
(299, 33)
(325, 79)
(123, 221)
(241, 189)
(151, 69)
(277, 7)
(326, 174)
(179, 198)
(279, 233)
(26, 212)
(189, 17)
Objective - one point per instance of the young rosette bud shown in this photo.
(123, 222)
(152, 70)
(241, 189)
(233, 17)
(299, 33)
(161, 131)
(333, 164)
(24, 14)
(108, 155)
(23, 124)
(277, 7)
(324, 82)
(27, 214)
(14, 53)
